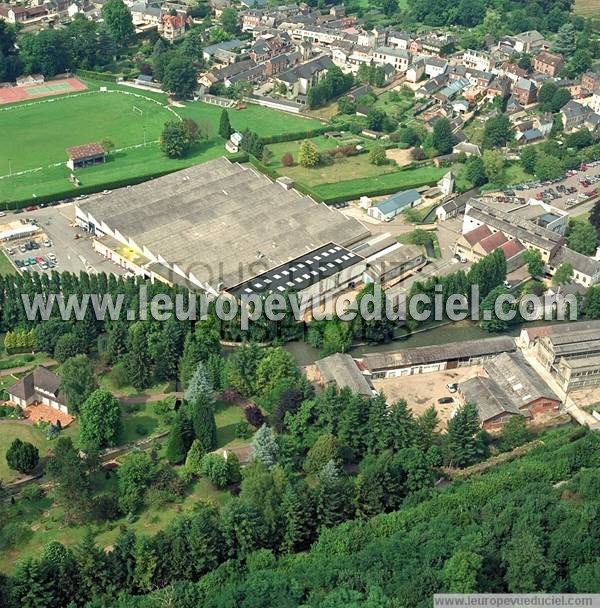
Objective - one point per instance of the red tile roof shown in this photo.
(489, 243)
(512, 248)
(474, 236)
(85, 151)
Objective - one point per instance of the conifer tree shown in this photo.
(176, 449)
(203, 422)
(265, 446)
(462, 445)
(225, 129)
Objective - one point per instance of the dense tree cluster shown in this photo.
(489, 534)
(332, 85)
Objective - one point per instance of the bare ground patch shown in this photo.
(400, 157)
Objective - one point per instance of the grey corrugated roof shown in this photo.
(581, 263)
(517, 380)
(483, 393)
(342, 369)
(440, 352)
(221, 221)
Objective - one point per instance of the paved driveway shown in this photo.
(74, 255)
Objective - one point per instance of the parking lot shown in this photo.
(70, 248)
(570, 192)
(421, 391)
(35, 253)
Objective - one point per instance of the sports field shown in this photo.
(52, 87)
(36, 135)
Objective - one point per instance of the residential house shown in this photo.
(41, 386)
(400, 40)
(172, 27)
(548, 63)
(22, 14)
(396, 57)
(525, 91)
(590, 81)
(499, 87)
(479, 60)
(222, 49)
(574, 115)
(512, 71)
(529, 42)
(300, 78)
(415, 71)
(434, 66)
(586, 270)
(145, 13)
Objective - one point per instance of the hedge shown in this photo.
(314, 132)
(105, 76)
(75, 192)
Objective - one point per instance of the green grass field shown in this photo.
(13, 429)
(402, 180)
(6, 266)
(36, 136)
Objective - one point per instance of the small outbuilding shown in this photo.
(388, 209)
(85, 156)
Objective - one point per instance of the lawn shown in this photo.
(376, 184)
(139, 163)
(41, 521)
(587, 8)
(264, 121)
(36, 137)
(138, 421)
(227, 416)
(401, 109)
(6, 266)
(13, 429)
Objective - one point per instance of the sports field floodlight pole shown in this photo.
(9, 168)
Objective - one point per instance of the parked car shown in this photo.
(452, 387)
(444, 400)
(507, 284)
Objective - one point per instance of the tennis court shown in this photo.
(30, 92)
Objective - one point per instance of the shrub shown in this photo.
(254, 416)
(215, 468)
(119, 375)
(243, 430)
(287, 160)
(22, 456)
(418, 154)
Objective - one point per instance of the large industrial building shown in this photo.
(217, 226)
(426, 359)
(573, 358)
(221, 227)
(510, 387)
